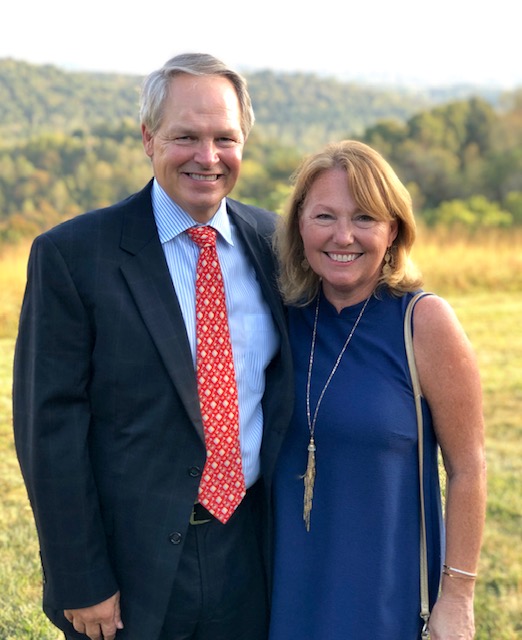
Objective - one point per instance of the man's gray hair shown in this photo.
(155, 88)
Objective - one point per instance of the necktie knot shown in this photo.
(204, 236)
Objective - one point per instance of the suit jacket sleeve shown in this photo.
(51, 422)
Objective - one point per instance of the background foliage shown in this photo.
(70, 142)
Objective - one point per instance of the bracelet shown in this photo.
(463, 575)
(458, 577)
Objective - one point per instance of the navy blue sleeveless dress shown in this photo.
(355, 574)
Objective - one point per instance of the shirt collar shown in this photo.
(172, 220)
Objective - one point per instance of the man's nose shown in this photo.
(206, 153)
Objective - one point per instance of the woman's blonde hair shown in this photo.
(376, 189)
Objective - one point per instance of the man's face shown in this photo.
(196, 152)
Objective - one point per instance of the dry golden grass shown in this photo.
(482, 278)
(13, 261)
(454, 262)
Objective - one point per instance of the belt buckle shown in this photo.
(192, 519)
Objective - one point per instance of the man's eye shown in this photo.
(226, 142)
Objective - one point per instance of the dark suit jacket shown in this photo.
(106, 413)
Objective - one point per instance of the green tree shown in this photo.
(513, 204)
(434, 170)
(474, 213)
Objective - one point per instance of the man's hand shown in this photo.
(99, 622)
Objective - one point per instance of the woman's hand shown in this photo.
(452, 618)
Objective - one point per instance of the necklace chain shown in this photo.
(309, 476)
(312, 421)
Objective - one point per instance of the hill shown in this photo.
(301, 110)
(70, 142)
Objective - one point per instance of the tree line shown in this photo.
(71, 142)
(299, 109)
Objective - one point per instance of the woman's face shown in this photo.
(344, 245)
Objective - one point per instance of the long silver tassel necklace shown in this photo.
(309, 476)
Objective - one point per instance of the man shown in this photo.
(110, 423)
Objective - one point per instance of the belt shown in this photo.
(200, 515)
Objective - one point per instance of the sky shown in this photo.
(381, 41)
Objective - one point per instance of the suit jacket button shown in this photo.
(194, 472)
(175, 537)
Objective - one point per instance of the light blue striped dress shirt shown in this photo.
(254, 338)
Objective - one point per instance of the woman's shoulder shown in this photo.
(432, 311)
(438, 334)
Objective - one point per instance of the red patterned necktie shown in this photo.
(222, 485)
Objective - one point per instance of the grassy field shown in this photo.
(482, 278)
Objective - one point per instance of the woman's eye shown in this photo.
(324, 216)
(364, 220)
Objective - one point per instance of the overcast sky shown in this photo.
(431, 43)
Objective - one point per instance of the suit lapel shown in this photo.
(149, 281)
(262, 258)
(278, 397)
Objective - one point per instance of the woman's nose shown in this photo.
(343, 234)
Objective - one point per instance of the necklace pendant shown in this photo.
(309, 480)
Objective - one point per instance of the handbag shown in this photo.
(408, 341)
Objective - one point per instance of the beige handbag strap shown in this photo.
(408, 340)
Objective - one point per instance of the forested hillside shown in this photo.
(70, 142)
(299, 109)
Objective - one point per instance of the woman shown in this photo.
(346, 486)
